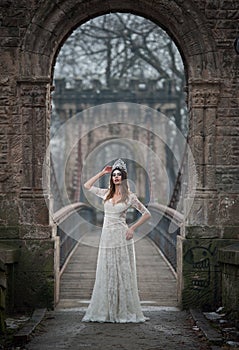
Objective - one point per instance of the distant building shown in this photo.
(104, 133)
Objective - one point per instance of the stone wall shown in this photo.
(3, 285)
(202, 277)
(229, 261)
(31, 34)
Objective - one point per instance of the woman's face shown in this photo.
(117, 177)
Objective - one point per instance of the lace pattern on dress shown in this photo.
(100, 192)
(134, 202)
(115, 295)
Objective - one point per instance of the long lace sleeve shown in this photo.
(100, 192)
(135, 202)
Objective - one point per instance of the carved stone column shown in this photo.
(202, 141)
(32, 232)
(205, 229)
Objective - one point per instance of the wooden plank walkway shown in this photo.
(156, 282)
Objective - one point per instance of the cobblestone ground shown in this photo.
(166, 329)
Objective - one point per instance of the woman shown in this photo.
(115, 295)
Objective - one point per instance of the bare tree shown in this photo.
(118, 47)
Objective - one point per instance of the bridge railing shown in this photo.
(166, 224)
(71, 224)
(180, 186)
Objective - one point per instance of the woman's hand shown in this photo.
(129, 233)
(107, 169)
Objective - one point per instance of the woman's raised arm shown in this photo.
(88, 184)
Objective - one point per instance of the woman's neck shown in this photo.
(117, 190)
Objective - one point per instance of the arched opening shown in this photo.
(196, 48)
(149, 81)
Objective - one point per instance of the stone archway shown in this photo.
(199, 43)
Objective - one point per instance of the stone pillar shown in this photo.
(24, 213)
(202, 142)
(38, 261)
(206, 228)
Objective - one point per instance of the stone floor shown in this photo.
(167, 329)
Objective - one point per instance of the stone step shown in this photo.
(23, 335)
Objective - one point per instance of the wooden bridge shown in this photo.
(156, 279)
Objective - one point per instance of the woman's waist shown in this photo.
(114, 219)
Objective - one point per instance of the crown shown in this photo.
(120, 164)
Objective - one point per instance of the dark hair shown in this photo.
(124, 186)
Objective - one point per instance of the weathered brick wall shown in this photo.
(24, 131)
(31, 33)
(213, 106)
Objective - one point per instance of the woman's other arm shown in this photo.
(145, 216)
(139, 222)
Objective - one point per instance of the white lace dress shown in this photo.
(115, 295)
